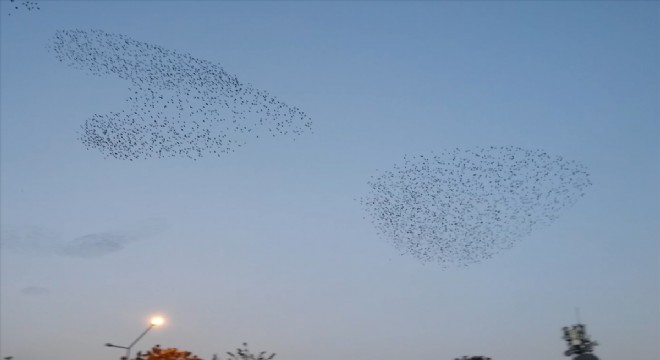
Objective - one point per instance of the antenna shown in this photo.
(578, 341)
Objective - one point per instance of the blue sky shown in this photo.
(270, 245)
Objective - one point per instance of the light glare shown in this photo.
(157, 320)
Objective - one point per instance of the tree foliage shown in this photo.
(158, 353)
(245, 354)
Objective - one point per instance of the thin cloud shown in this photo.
(35, 291)
(29, 240)
(34, 240)
(95, 245)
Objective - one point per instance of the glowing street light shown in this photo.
(155, 321)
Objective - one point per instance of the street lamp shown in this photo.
(155, 321)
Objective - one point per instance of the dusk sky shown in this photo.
(272, 244)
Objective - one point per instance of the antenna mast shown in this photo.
(579, 343)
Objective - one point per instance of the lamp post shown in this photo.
(155, 321)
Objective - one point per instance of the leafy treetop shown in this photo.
(245, 354)
(157, 353)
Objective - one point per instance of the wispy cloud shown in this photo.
(95, 245)
(35, 291)
(30, 239)
(40, 241)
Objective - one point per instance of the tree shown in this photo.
(157, 353)
(245, 354)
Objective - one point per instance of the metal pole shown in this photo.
(128, 349)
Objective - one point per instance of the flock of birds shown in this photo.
(179, 105)
(23, 5)
(456, 208)
(462, 206)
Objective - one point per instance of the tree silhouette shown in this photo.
(245, 354)
(158, 353)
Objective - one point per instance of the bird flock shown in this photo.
(23, 5)
(457, 208)
(463, 206)
(179, 105)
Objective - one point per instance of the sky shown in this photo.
(271, 244)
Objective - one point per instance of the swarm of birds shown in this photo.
(22, 5)
(179, 105)
(463, 206)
